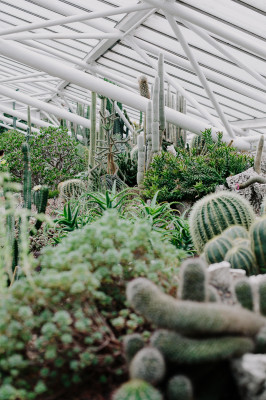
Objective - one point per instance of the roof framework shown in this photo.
(53, 53)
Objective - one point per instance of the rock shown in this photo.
(219, 275)
(253, 193)
(250, 375)
(171, 150)
(237, 274)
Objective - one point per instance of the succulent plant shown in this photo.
(26, 176)
(148, 365)
(211, 215)
(193, 280)
(179, 387)
(132, 344)
(71, 188)
(242, 257)
(258, 242)
(244, 295)
(137, 390)
(262, 297)
(235, 232)
(216, 249)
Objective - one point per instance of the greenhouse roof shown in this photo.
(54, 52)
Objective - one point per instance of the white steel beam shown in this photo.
(250, 123)
(19, 124)
(22, 115)
(58, 36)
(54, 68)
(234, 36)
(199, 72)
(22, 76)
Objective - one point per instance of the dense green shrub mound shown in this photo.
(61, 326)
(194, 172)
(55, 156)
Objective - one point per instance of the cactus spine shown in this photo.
(155, 120)
(188, 317)
(149, 133)
(216, 249)
(71, 188)
(179, 387)
(243, 292)
(141, 159)
(161, 96)
(235, 232)
(193, 280)
(93, 130)
(257, 161)
(27, 176)
(181, 350)
(211, 215)
(258, 242)
(137, 390)
(148, 365)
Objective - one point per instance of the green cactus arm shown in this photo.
(178, 349)
(190, 317)
(132, 344)
(193, 280)
(93, 129)
(148, 365)
(155, 119)
(250, 181)
(258, 242)
(26, 176)
(244, 295)
(179, 387)
(161, 93)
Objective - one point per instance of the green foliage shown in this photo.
(54, 155)
(132, 344)
(190, 175)
(214, 213)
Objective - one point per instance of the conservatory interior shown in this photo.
(132, 200)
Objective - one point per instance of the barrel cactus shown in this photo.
(137, 390)
(235, 232)
(258, 242)
(71, 188)
(211, 215)
(216, 249)
(242, 257)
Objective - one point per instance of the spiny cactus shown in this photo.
(181, 350)
(242, 257)
(148, 365)
(93, 129)
(149, 133)
(155, 118)
(161, 94)
(258, 242)
(102, 118)
(211, 215)
(137, 390)
(260, 341)
(141, 159)
(212, 294)
(262, 297)
(26, 176)
(216, 249)
(40, 199)
(263, 206)
(244, 295)
(235, 232)
(179, 387)
(132, 344)
(189, 317)
(250, 181)
(198, 143)
(144, 86)
(193, 280)
(71, 188)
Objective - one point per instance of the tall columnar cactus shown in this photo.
(40, 199)
(211, 215)
(148, 365)
(144, 86)
(242, 257)
(193, 280)
(141, 159)
(137, 390)
(181, 350)
(216, 249)
(179, 387)
(132, 344)
(26, 176)
(162, 123)
(244, 295)
(102, 118)
(155, 117)
(258, 157)
(258, 242)
(149, 133)
(93, 130)
(188, 317)
(235, 232)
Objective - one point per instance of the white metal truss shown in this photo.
(53, 53)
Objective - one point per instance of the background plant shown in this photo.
(189, 175)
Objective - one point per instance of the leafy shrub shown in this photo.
(55, 156)
(61, 326)
(190, 175)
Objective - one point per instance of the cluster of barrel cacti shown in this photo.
(197, 336)
(223, 227)
(72, 188)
